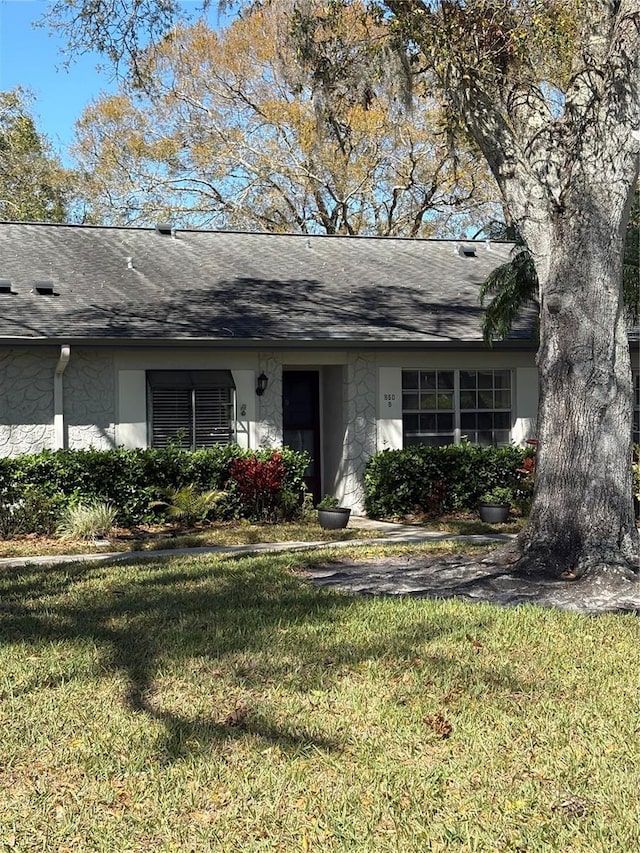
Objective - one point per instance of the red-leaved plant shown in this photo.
(259, 484)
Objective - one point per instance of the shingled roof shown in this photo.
(139, 285)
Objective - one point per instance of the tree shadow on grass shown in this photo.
(158, 613)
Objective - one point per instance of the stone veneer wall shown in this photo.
(90, 400)
(269, 406)
(26, 401)
(360, 432)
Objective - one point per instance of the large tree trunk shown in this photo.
(566, 161)
(582, 518)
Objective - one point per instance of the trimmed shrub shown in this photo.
(435, 480)
(258, 483)
(130, 480)
(29, 510)
(11, 518)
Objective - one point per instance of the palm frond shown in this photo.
(512, 286)
(515, 284)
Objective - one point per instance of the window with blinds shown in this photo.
(191, 408)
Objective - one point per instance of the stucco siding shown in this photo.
(104, 399)
(90, 400)
(526, 404)
(268, 427)
(131, 426)
(258, 420)
(360, 435)
(26, 401)
(524, 401)
(389, 408)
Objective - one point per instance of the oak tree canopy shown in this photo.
(228, 129)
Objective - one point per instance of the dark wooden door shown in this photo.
(301, 420)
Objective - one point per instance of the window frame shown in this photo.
(421, 391)
(457, 433)
(494, 389)
(194, 386)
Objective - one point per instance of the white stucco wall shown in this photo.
(268, 418)
(104, 395)
(526, 404)
(258, 420)
(245, 425)
(87, 397)
(389, 408)
(131, 429)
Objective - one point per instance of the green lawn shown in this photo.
(224, 704)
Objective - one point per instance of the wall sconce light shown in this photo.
(261, 387)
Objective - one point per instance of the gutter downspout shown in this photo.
(58, 397)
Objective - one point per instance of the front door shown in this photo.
(301, 420)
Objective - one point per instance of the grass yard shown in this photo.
(224, 704)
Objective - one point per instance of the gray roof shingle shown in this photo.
(136, 284)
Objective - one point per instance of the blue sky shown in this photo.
(30, 57)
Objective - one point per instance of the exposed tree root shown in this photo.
(492, 577)
(607, 565)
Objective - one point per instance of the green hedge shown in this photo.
(129, 478)
(436, 480)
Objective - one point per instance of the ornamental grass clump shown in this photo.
(88, 521)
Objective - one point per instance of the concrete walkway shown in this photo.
(382, 532)
(480, 579)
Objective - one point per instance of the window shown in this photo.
(190, 407)
(636, 407)
(442, 406)
(428, 404)
(485, 406)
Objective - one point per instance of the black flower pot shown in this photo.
(494, 513)
(334, 519)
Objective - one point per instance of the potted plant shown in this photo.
(332, 516)
(494, 505)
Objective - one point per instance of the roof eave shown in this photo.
(268, 343)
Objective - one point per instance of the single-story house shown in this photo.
(338, 345)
